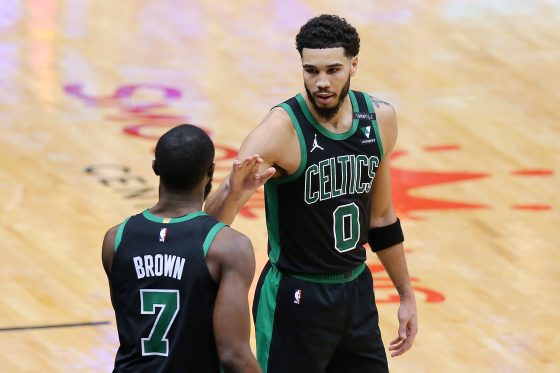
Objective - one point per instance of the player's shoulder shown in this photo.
(271, 135)
(108, 248)
(387, 120)
(230, 241)
(383, 110)
(110, 235)
(233, 251)
(277, 118)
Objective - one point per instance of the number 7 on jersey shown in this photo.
(168, 302)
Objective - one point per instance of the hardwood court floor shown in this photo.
(87, 87)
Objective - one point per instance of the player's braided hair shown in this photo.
(328, 31)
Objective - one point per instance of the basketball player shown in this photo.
(324, 156)
(179, 279)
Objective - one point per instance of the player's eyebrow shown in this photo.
(336, 64)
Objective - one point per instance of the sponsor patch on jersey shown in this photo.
(364, 116)
(366, 131)
(162, 234)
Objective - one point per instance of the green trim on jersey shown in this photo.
(118, 237)
(332, 279)
(302, 148)
(354, 101)
(273, 226)
(369, 103)
(266, 309)
(148, 215)
(210, 237)
(323, 130)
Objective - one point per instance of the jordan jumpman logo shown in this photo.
(316, 145)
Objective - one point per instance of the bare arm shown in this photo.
(245, 178)
(393, 258)
(234, 253)
(261, 156)
(108, 249)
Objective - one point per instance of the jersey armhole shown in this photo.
(210, 237)
(371, 110)
(302, 148)
(118, 237)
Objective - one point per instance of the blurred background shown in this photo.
(87, 87)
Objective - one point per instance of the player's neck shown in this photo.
(173, 204)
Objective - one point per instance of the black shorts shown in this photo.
(317, 324)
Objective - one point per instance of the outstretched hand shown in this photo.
(245, 175)
(408, 327)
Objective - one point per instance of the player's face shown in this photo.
(326, 74)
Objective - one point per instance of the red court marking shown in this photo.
(148, 118)
(532, 172)
(382, 282)
(404, 181)
(439, 148)
(154, 132)
(125, 92)
(532, 207)
(430, 296)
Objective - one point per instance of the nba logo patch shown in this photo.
(162, 234)
(297, 296)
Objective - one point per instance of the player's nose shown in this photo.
(323, 82)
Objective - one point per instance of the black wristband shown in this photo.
(380, 238)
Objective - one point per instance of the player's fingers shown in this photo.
(266, 174)
(405, 345)
(403, 348)
(396, 344)
(249, 161)
(398, 351)
(246, 162)
(402, 335)
(254, 163)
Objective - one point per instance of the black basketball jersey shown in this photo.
(318, 217)
(163, 294)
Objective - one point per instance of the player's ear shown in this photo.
(353, 65)
(154, 167)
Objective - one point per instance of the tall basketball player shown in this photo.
(324, 156)
(179, 279)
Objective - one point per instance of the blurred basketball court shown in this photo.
(86, 88)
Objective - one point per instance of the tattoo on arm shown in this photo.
(377, 102)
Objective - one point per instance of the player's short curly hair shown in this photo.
(328, 31)
(184, 155)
